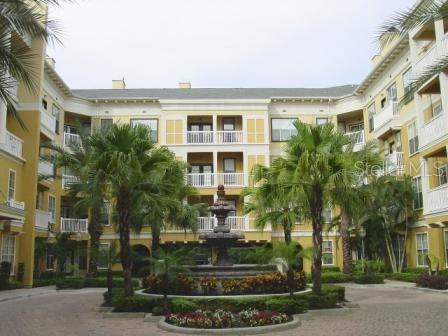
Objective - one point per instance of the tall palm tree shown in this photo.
(24, 18)
(313, 164)
(403, 22)
(137, 172)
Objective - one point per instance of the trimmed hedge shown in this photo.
(326, 269)
(408, 277)
(44, 282)
(183, 305)
(134, 304)
(338, 290)
(415, 270)
(335, 277)
(368, 278)
(11, 285)
(286, 305)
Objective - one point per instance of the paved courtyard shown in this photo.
(383, 310)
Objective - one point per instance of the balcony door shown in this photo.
(203, 174)
(228, 126)
(202, 135)
(230, 169)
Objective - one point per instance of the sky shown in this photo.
(218, 43)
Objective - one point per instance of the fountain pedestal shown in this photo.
(222, 237)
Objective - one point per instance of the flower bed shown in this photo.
(218, 319)
(270, 283)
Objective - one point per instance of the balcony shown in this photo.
(16, 205)
(236, 223)
(45, 168)
(358, 138)
(428, 58)
(68, 179)
(74, 225)
(43, 220)
(387, 119)
(13, 145)
(214, 137)
(71, 139)
(394, 163)
(433, 130)
(436, 200)
(48, 123)
(208, 180)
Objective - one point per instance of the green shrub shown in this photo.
(408, 277)
(183, 306)
(335, 277)
(158, 311)
(323, 301)
(102, 282)
(432, 281)
(415, 270)
(13, 285)
(103, 274)
(368, 278)
(73, 283)
(326, 269)
(444, 272)
(134, 304)
(44, 282)
(286, 305)
(331, 289)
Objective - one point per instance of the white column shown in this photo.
(2, 122)
(215, 128)
(424, 173)
(244, 126)
(245, 169)
(215, 167)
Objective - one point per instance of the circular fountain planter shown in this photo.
(294, 323)
(235, 271)
(149, 296)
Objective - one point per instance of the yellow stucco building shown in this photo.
(222, 134)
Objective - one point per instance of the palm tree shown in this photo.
(109, 257)
(24, 18)
(313, 164)
(138, 175)
(403, 22)
(89, 190)
(167, 265)
(290, 254)
(269, 203)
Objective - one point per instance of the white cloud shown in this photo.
(218, 43)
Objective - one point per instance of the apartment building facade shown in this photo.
(222, 134)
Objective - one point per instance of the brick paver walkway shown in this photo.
(383, 310)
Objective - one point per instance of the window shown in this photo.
(407, 80)
(413, 138)
(229, 165)
(103, 259)
(326, 215)
(442, 174)
(321, 121)
(56, 111)
(327, 252)
(392, 93)
(436, 110)
(446, 247)
(106, 123)
(105, 213)
(152, 124)
(49, 262)
(52, 208)
(422, 248)
(417, 185)
(12, 185)
(282, 129)
(8, 250)
(371, 111)
(44, 104)
(228, 124)
(383, 103)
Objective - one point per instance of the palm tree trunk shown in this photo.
(346, 248)
(316, 218)
(290, 279)
(95, 231)
(123, 210)
(155, 233)
(287, 233)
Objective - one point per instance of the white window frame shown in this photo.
(332, 252)
(445, 235)
(11, 256)
(99, 248)
(9, 184)
(437, 107)
(413, 138)
(153, 134)
(46, 262)
(407, 79)
(322, 120)
(371, 112)
(417, 249)
(52, 213)
(418, 189)
(284, 133)
(440, 169)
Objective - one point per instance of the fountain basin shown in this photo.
(234, 271)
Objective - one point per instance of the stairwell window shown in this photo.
(422, 249)
(407, 80)
(106, 123)
(282, 129)
(52, 208)
(413, 138)
(8, 250)
(12, 185)
(417, 186)
(327, 252)
(321, 121)
(371, 113)
(152, 124)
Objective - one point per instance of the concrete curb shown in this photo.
(199, 297)
(232, 331)
(150, 318)
(103, 309)
(123, 315)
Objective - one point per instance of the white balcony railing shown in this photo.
(231, 179)
(236, 223)
(201, 180)
(43, 219)
(47, 121)
(68, 179)
(14, 204)
(436, 199)
(427, 59)
(358, 138)
(394, 163)
(13, 145)
(74, 225)
(432, 130)
(72, 139)
(229, 137)
(386, 115)
(200, 137)
(45, 168)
